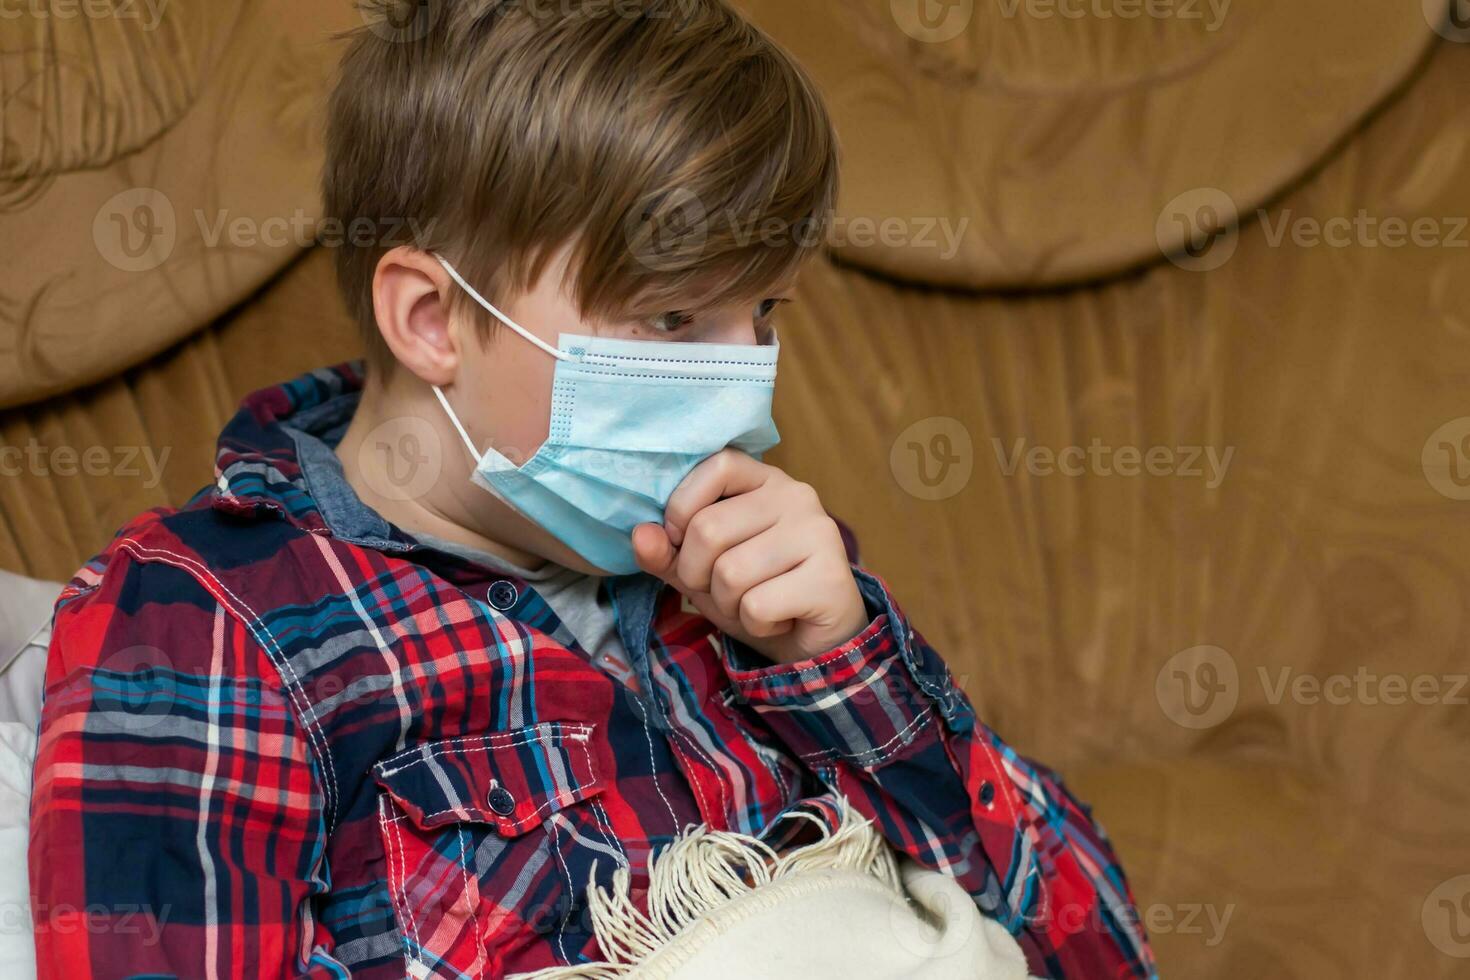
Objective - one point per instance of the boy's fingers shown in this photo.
(725, 474)
(654, 552)
(713, 531)
(766, 556)
(773, 608)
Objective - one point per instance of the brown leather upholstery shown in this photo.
(1292, 836)
(1063, 131)
(154, 173)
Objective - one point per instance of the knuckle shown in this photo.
(754, 610)
(701, 530)
(833, 534)
(728, 606)
(727, 575)
(804, 494)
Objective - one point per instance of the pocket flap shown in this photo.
(512, 780)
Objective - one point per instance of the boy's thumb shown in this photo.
(653, 551)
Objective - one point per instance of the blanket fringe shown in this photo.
(703, 870)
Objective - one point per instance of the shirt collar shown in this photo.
(276, 458)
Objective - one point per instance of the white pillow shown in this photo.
(25, 635)
(17, 940)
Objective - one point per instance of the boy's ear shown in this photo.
(411, 294)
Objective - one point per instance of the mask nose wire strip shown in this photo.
(528, 335)
(439, 393)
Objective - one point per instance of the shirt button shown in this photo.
(503, 595)
(987, 793)
(501, 801)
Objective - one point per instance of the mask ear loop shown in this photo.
(560, 355)
(526, 334)
(469, 443)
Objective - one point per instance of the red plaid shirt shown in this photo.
(283, 738)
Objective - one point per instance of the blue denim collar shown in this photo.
(316, 432)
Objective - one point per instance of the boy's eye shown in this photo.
(672, 321)
(676, 320)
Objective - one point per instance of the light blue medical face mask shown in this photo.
(629, 420)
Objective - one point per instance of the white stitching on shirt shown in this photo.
(576, 791)
(561, 927)
(653, 769)
(398, 895)
(552, 800)
(493, 741)
(704, 806)
(604, 827)
(473, 903)
(877, 753)
(277, 656)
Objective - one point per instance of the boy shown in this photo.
(348, 713)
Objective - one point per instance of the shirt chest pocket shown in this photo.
(488, 842)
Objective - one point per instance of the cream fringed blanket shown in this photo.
(725, 906)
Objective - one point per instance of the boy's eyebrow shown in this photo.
(692, 307)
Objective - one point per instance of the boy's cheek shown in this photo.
(511, 400)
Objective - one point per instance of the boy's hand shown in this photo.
(758, 556)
